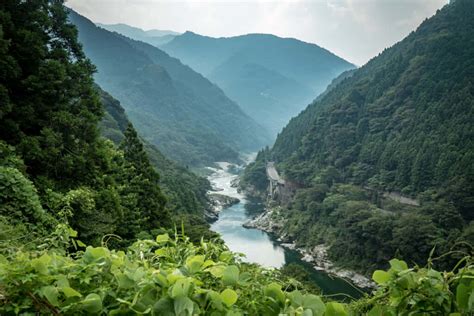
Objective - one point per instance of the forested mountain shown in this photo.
(56, 170)
(403, 123)
(185, 191)
(153, 37)
(187, 117)
(62, 184)
(271, 78)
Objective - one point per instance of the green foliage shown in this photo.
(401, 123)
(185, 191)
(143, 183)
(172, 276)
(405, 291)
(255, 174)
(52, 109)
(398, 123)
(362, 235)
(168, 276)
(19, 200)
(54, 166)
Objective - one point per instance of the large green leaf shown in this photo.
(92, 303)
(181, 288)
(70, 292)
(314, 303)
(194, 264)
(230, 275)
(229, 297)
(465, 296)
(94, 254)
(162, 238)
(164, 307)
(380, 276)
(274, 291)
(398, 265)
(51, 294)
(41, 264)
(183, 306)
(335, 309)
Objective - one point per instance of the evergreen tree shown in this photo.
(143, 183)
(50, 110)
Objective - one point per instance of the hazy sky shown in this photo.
(356, 30)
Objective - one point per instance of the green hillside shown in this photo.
(403, 123)
(188, 118)
(185, 191)
(56, 170)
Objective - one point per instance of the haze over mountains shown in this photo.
(153, 37)
(190, 119)
(271, 78)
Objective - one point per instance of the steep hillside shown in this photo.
(186, 193)
(153, 37)
(188, 118)
(272, 78)
(403, 123)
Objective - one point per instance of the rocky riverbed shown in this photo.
(317, 256)
(218, 203)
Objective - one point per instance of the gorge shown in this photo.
(260, 246)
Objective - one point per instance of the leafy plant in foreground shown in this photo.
(172, 276)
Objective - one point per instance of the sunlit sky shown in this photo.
(356, 30)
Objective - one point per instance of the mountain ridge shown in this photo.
(301, 69)
(190, 125)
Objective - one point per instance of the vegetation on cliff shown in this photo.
(403, 123)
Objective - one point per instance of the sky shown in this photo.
(355, 30)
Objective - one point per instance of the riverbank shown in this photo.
(223, 193)
(259, 245)
(271, 222)
(218, 202)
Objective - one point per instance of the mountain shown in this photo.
(186, 116)
(271, 78)
(382, 163)
(153, 37)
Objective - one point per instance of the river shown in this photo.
(258, 246)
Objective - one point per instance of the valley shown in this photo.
(236, 168)
(260, 246)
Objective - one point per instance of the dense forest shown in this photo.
(176, 109)
(400, 127)
(186, 192)
(91, 215)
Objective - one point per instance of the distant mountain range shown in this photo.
(187, 117)
(271, 78)
(153, 37)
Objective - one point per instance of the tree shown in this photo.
(143, 184)
(52, 109)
